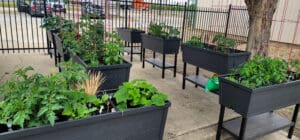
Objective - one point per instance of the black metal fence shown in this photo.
(20, 29)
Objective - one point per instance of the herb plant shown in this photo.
(138, 93)
(224, 44)
(162, 30)
(261, 71)
(195, 41)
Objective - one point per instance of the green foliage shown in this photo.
(138, 93)
(91, 48)
(111, 54)
(56, 22)
(223, 43)
(51, 22)
(261, 71)
(195, 41)
(162, 30)
(295, 66)
(35, 100)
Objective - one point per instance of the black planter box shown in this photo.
(115, 75)
(211, 60)
(132, 36)
(59, 48)
(145, 123)
(163, 46)
(50, 34)
(250, 102)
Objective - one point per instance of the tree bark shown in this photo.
(260, 21)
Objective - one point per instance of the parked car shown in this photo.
(57, 5)
(34, 7)
(37, 8)
(92, 10)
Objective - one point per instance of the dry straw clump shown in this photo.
(91, 85)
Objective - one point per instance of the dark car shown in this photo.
(92, 10)
(37, 8)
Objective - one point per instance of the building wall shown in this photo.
(285, 26)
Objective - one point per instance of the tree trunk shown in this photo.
(260, 21)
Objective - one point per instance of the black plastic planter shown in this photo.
(160, 45)
(59, 48)
(145, 123)
(214, 61)
(115, 75)
(132, 36)
(250, 102)
(50, 34)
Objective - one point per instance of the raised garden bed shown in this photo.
(62, 53)
(209, 59)
(259, 87)
(135, 124)
(215, 61)
(114, 75)
(131, 36)
(163, 46)
(250, 102)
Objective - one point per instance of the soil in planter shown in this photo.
(226, 50)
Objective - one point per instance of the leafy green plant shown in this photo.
(51, 22)
(111, 54)
(295, 66)
(261, 71)
(138, 93)
(224, 44)
(195, 41)
(162, 30)
(35, 100)
(56, 22)
(91, 47)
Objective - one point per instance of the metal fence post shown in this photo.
(45, 8)
(183, 22)
(126, 15)
(228, 20)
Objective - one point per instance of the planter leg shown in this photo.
(143, 57)
(220, 123)
(175, 66)
(294, 120)
(163, 66)
(197, 73)
(183, 75)
(55, 55)
(243, 128)
(141, 53)
(154, 58)
(131, 52)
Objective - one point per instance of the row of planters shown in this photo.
(160, 38)
(253, 88)
(65, 106)
(84, 43)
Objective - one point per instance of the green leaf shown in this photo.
(159, 99)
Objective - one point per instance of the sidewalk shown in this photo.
(192, 116)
